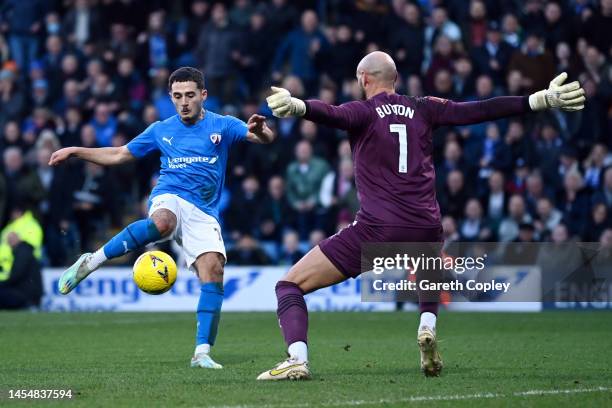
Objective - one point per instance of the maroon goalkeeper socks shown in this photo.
(292, 312)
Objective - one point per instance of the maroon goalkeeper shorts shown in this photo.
(344, 248)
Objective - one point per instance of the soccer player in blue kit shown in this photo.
(194, 146)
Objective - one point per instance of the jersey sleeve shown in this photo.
(235, 129)
(442, 112)
(144, 143)
(348, 116)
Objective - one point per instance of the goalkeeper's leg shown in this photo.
(312, 272)
(160, 225)
(431, 361)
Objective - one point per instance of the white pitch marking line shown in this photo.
(428, 398)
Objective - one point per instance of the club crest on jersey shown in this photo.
(215, 138)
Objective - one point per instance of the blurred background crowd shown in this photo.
(94, 73)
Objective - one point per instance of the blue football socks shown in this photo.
(135, 235)
(209, 311)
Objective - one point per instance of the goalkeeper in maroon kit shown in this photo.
(391, 141)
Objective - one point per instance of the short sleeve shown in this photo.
(235, 129)
(144, 143)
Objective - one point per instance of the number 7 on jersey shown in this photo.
(403, 145)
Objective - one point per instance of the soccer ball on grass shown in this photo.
(154, 272)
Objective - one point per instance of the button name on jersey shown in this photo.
(395, 109)
(182, 162)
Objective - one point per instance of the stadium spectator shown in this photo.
(598, 27)
(453, 160)
(440, 25)
(104, 124)
(463, 78)
(239, 221)
(474, 227)
(598, 222)
(290, 252)
(574, 202)
(534, 62)
(492, 57)
(511, 30)
(548, 217)
(247, 252)
(338, 195)
(12, 98)
(93, 197)
(604, 195)
(20, 270)
(556, 30)
(217, 52)
(495, 199)
(534, 191)
(407, 40)
(275, 213)
(517, 215)
(256, 50)
(302, 47)
(23, 21)
(304, 178)
(594, 166)
(55, 207)
(454, 196)
(82, 24)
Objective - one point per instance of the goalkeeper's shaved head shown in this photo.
(376, 72)
(380, 66)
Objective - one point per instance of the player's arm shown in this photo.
(258, 130)
(569, 97)
(105, 156)
(346, 116)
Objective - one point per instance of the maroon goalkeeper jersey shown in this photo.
(391, 140)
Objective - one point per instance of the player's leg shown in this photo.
(160, 225)
(204, 252)
(312, 272)
(209, 268)
(431, 361)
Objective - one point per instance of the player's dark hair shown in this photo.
(187, 74)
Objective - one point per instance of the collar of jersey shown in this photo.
(195, 125)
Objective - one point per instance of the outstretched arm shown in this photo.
(105, 156)
(347, 116)
(449, 113)
(569, 97)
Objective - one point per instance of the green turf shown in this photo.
(358, 359)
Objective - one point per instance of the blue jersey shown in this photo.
(193, 157)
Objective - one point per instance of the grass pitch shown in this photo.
(358, 359)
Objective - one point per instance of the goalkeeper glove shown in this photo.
(284, 105)
(568, 97)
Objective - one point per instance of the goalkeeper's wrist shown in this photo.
(537, 101)
(299, 106)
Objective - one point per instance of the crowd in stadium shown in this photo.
(94, 73)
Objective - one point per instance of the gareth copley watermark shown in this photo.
(454, 285)
(487, 271)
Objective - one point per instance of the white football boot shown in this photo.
(73, 275)
(431, 361)
(204, 360)
(290, 369)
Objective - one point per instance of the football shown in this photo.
(154, 272)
